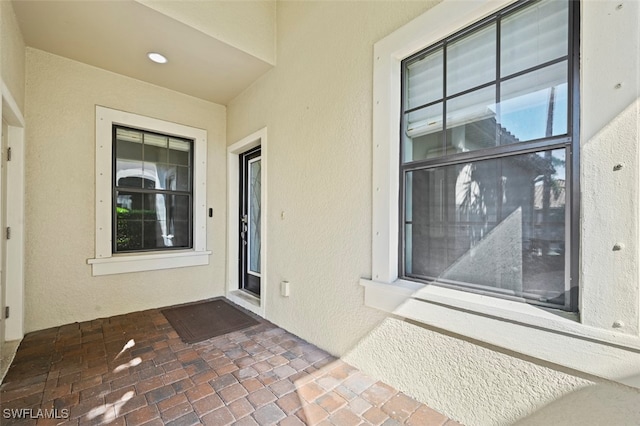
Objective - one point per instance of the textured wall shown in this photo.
(11, 53)
(248, 25)
(482, 385)
(316, 104)
(60, 161)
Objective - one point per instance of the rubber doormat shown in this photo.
(201, 321)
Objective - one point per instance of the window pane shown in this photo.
(535, 105)
(493, 225)
(425, 80)
(166, 222)
(155, 148)
(471, 121)
(128, 144)
(129, 174)
(183, 181)
(154, 234)
(533, 36)
(471, 61)
(155, 216)
(129, 213)
(423, 134)
(179, 152)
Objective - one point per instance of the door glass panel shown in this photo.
(254, 216)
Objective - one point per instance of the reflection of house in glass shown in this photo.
(495, 224)
(152, 179)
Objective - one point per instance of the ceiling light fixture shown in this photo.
(157, 58)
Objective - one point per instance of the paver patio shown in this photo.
(133, 369)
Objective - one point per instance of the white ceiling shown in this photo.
(116, 36)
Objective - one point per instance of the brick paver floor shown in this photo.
(133, 369)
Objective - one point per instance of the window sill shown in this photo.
(123, 264)
(551, 336)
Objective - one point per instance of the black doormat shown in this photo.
(201, 321)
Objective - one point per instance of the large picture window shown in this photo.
(152, 191)
(487, 157)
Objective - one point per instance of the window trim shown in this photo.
(550, 335)
(106, 262)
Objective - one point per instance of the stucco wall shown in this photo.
(247, 25)
(12, 50)
(317, 105)
(60, 138)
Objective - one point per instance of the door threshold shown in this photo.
(248, 301)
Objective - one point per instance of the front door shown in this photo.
(250, 211)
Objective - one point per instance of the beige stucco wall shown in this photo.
(248, 25)
(60, 137)
(317, 106)
(12, 51)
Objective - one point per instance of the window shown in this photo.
(486, 154)
(152, 191)
(151, 182)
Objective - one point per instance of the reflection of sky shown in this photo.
(526, 116)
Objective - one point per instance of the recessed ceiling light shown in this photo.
(157, 58)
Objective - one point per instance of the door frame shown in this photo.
(254, 304)
(14, 325)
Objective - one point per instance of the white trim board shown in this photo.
(14, 325)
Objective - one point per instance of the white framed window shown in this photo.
(586, 341)
(487, 155)
(128, 148)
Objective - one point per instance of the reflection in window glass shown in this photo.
(493, 225)
(535, 105)
(152, 193)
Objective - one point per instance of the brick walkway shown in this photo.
(133, 369)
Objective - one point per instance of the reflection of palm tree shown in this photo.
(472, 196)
